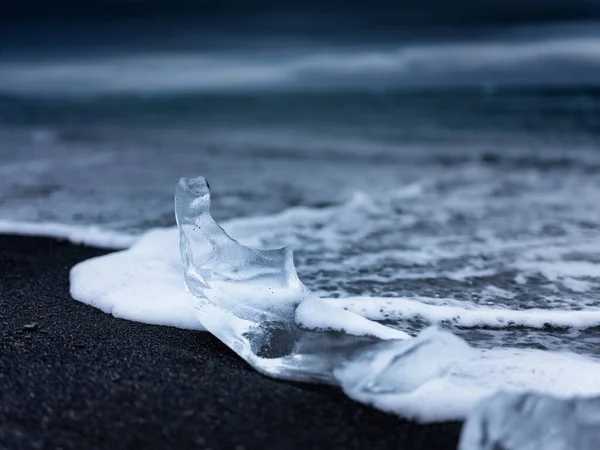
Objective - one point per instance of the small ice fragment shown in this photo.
(396, 367)
(532, 421)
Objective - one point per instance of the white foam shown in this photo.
(326, 226)
(318, 314)
(557, 270)
(577, 285)
(77, 234)
(465, 314)
(154, 261)
(143, 283)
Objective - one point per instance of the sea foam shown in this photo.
(142, 283)
(77, 234)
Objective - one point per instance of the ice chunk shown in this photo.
(394, 367)
(249, 298)
(452, 378)
(254, 285)
(532, 421)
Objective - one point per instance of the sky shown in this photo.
(106, 46)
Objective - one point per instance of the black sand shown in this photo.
(74, 377)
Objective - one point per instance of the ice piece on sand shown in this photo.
(532, 421)
(400, 367)
(249, 298)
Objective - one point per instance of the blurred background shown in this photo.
(157, 46)
(105, 103)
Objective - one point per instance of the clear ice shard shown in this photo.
(253, 301)
(533, 421)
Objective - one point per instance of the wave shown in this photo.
(336, 240)
(145, 283)
(530, 60)
(77, 234)
(154, 260)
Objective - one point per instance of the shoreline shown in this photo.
(72, 376)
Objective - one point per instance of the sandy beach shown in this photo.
(74, 377)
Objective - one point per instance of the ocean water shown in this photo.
(476, 196)
(474, 210)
